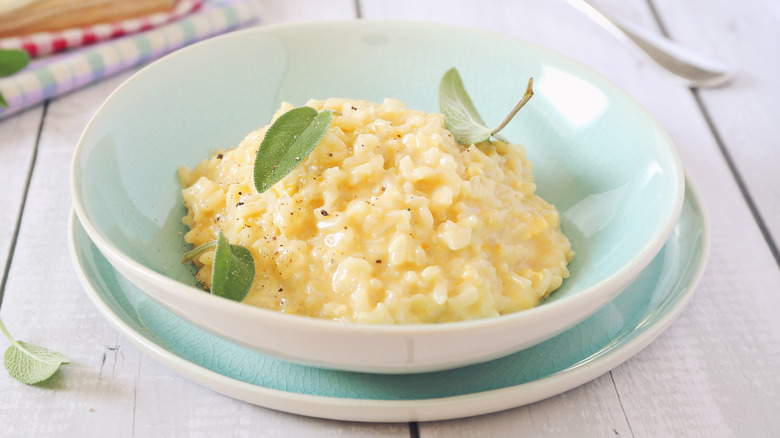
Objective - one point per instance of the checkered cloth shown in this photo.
(52, 76)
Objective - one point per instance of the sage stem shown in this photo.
(198, 251)
(526, 97)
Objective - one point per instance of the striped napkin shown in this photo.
(45, 43)
(49, 77)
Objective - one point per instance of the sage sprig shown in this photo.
(461, 117)
(28, 363)
(232, 270)
(11, 61)
(287, 142)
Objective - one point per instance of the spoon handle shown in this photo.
(694, 68)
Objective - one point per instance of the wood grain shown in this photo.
(17, 150)
(52, 15)
(745, 112)
(590, 410)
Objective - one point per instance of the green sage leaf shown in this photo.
(12, 60)
(28, 363)
(460, 116)
(31, 364)
(232, 271)
(288, 141)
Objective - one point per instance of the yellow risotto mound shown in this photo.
(389, 220)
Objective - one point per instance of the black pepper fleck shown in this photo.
(323, 212)
(220, 156)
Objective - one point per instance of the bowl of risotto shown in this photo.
(392, 247)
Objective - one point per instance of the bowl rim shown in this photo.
(604, 290)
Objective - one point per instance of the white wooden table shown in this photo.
(714, 373)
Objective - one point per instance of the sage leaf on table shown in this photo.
(287, 142)
(11, 61)
(461, 117)
(28, 363)
(232, 270)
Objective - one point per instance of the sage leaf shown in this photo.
(287, 142)
(11, 61)
(232, 271)
(460, 116)
(28, 363)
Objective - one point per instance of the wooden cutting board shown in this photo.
(51, 15)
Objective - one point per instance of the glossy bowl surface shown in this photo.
(604, 162)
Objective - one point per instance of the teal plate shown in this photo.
(584, 352)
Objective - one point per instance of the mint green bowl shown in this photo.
(604, 162)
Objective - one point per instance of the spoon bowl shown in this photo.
(693, 68)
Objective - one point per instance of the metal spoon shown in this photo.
(694, 68)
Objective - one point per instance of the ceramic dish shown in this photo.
(605, 163)
(574, 357)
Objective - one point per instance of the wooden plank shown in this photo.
(744, 35)
(275, 12)
(587, 411)
(17, 149)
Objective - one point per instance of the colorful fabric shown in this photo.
(52, 76)
(45, 43)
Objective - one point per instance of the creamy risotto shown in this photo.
(389, 220)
